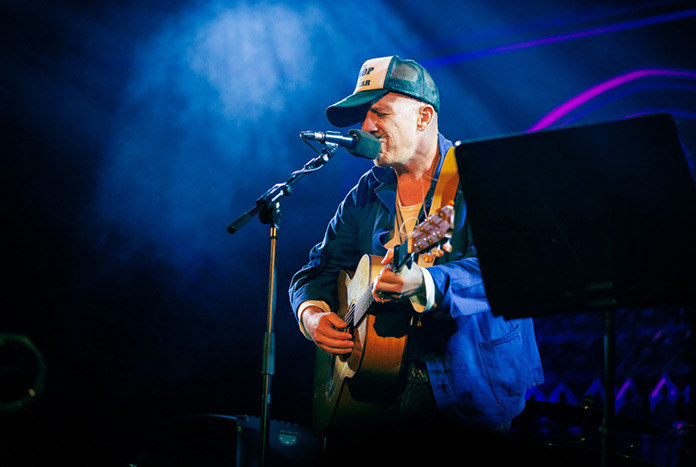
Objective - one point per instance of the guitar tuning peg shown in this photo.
(447, 247)
(437, 252)
(427, 257)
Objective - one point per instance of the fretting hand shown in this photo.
(393, 287)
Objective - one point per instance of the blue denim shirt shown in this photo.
(480, 365)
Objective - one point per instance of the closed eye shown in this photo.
(377, 112)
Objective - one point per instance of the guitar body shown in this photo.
(351, 390)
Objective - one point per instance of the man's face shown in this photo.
(393, 120)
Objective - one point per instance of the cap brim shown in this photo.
(352, 109)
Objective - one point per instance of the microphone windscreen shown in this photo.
(366, 146)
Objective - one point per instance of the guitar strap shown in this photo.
(445, 191)
(447, 183)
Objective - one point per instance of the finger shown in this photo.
(383, 296)
(334, 350)
(336, 321)
(388, 257)
(336, 343)
(335, 334)
(334, 327)
(335, 346)
(377, 295)
(388, 282)
(387, 297)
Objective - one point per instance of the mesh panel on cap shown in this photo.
(405, 71)
(409, 78)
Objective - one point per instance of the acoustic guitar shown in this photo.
(351, 390)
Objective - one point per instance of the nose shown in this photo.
(368, 123)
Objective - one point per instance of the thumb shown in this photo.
(336, 321)
(388, 257)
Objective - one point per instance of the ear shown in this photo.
(425, 116)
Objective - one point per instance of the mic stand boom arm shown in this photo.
(268, 208)
(267, 203)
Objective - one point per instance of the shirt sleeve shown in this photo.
(425, 303)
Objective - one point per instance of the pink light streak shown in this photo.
(606, 86)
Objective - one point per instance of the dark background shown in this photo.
(133, 133)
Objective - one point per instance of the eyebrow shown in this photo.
(378, 109)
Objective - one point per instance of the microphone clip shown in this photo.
(359, 143)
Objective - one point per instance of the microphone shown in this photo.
(359, 143)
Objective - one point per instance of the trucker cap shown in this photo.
(377, 77)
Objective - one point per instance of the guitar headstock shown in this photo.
(433, 232)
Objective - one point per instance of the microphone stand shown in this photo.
(268, 208)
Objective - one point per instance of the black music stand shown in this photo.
(592, 217)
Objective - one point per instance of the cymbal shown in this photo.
(588, 416)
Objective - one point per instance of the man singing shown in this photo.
(461, 364)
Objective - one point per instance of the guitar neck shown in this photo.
(402, 257)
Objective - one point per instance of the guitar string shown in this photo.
(365, 297)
